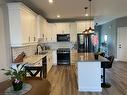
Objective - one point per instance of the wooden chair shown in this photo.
(34, 70)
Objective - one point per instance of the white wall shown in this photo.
(5, 57)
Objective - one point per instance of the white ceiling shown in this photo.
(102, 10)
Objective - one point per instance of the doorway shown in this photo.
(122, 44)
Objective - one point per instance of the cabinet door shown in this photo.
(52, 32)
(40, 27)
(73, 32)
(26, 26)
(63, 28)
(74, 56)
(49, 61)
(82, 25)
(33, 31)
(22, 22)
(45, 31)
(54, 57)
(14, 25)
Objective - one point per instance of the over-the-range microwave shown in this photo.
(63, 37)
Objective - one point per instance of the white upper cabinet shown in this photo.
(82, 25)
(46, 31)
(63, 28)
(73, 32)
(23, 25)
(52, 32)
(41, 27)
(68, 28)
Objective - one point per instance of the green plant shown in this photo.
(17, 73)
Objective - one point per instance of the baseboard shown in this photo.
(120, 60)
(90, 89)
(116, 59)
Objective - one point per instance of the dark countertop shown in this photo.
(89, 57)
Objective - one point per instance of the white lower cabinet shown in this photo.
(73, 57)
(54, 57)
(49, 61)
(89, 76)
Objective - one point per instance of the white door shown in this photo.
(122, 44)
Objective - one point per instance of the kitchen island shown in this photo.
(89, 72)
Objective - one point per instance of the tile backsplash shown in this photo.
(29, 50)
(56, 45)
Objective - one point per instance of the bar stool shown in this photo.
(102, 54)
(106, 66)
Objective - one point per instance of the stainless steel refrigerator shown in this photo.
(84, 43)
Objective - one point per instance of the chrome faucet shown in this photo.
(39, 45)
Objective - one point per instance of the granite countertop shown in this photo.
(30, 60)
(35, 58)
(90, 57)
(85, 57)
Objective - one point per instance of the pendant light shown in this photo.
(90, 30)
(86, 30)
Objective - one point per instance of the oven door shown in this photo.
(63, 58)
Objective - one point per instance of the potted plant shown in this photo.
(16, 75)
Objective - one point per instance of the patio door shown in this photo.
(122, 44)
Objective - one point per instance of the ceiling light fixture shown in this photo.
(90, 30)
(86, 30)
(86, 14)
(51, 1)
(58, 16)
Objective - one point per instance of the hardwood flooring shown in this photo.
(63, 80)
(39, 86)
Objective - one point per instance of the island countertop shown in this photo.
(89, 57)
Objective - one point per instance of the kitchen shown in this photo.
(26, 34)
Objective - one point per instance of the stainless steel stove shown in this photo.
(63, 56)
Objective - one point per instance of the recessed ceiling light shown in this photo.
(86, 14)
(50, 1)
(58, 16)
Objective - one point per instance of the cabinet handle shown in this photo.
(34, 38)
(29, 38)
(49, 59)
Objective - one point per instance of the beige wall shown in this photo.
(5, 58)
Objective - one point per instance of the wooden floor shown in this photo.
(63, 80)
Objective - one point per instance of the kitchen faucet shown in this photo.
(37, 51)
